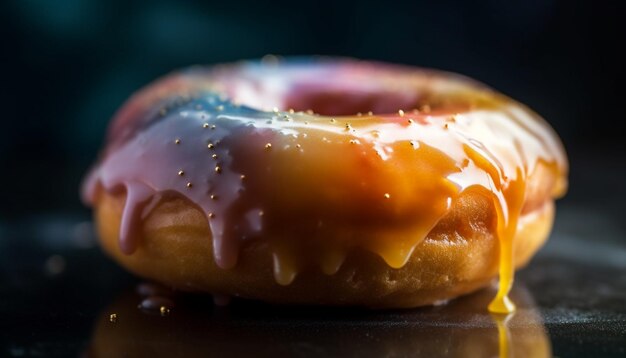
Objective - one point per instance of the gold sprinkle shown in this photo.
(401, 113)
(387, 196)
(354, 141)
(218, 169)
(177, 141)
(268, 146)
(242, 177)
(113, 317)
(181, 173)
(189, 185)
(211, 215)
(210, 146)
(410, 121)
(164, 311)
(213, 197)
(332, 120)
(298, 146)
(348, 127)
(206, 125)
(214, 156)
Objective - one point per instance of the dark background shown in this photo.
(69, 64)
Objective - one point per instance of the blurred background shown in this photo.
(69, 64)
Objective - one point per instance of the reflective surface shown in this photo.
(58, 292)
(197, 328)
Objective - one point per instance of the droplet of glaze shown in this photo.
(285, 270)
(138, 195)
(156, 304)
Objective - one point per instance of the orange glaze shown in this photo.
(375, 181)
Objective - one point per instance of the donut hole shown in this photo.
(329, 101)
(329, 89)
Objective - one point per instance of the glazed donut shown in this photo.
(326, 181)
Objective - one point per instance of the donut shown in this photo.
(326, 181)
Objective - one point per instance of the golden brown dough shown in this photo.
(459, 255)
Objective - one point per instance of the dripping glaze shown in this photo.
(336, 180)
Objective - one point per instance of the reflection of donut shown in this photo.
(400, 208)
(194, 329)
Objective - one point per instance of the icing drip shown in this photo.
(379, 182)
(138, 195)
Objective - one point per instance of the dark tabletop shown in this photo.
(57, 292)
